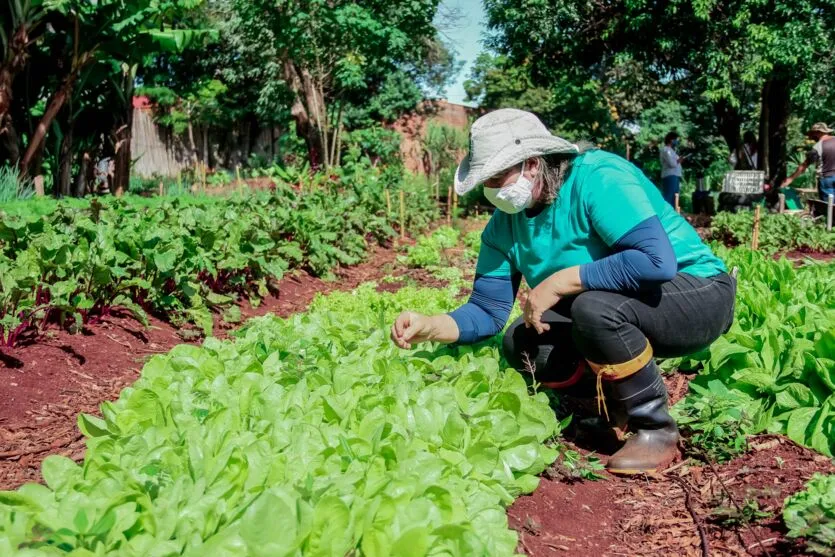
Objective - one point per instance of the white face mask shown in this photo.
(512, 198)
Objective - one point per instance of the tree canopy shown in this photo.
(751, 62)
(315, 68)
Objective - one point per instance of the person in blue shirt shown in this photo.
(617, 277)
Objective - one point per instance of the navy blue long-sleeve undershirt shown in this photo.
(643, 257)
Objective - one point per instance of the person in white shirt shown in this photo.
(670, 168)
(746, 156)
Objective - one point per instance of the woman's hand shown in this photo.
(411, 328)
(541, 298)
(548, 293)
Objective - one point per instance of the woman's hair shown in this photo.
(669, 137)
(553, 170)
(750, 138)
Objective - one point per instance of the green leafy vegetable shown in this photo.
(312, 435)
(810, 514)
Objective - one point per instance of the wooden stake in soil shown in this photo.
(402, 214)
(449, 205)
(782, 197)
(454, 205)
(678, 207)
(755, 234)
(238, 173)
(388, 202)
(161, 190)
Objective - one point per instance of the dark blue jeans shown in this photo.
(826, 187)
(678, 317)
(670, 186)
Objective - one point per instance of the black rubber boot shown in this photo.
(654, 440)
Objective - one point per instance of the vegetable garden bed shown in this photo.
(563, 516)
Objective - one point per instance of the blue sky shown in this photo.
(465, 39)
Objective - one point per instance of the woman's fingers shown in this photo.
(401, 323)
(411, 332)
(395, 337)
(407, 329)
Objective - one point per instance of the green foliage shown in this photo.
(571, 465)
(428, 250)
(312, 435)
(777, 232)
(729, 516)
(719, 59)
(12, 188)
(444, 145)
(376, 144)
(775, 369)
(472, 241)
(179, 257)
(200, 105)
(713, 422)
(397, 95)
(496, 82)
(810, 514)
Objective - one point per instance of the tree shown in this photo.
(333, 53)
(113, 31)
(733, 54)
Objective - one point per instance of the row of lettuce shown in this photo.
(307, 436)
(186, 258)
(774, 371)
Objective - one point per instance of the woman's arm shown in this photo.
(644, 257)
(489, 306)
(483, 316)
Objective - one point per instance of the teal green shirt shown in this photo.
(603, 198)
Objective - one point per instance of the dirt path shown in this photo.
(650, 516)
(45, 385)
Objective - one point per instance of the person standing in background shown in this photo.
(822, 156)
(746, 157)
(670, 168)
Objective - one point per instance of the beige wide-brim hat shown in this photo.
(821, 127)
(502, 139)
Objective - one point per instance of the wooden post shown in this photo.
(238, 173)
(402, 215)
(161, 189)
(388, 202)
(454, 205)
(678, 207)
(830, 211)
(39, 185)
(782, 206)
(755, 235)
(627, 151)
(449, 205)
(205, 168)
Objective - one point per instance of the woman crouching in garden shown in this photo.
(617, 277)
